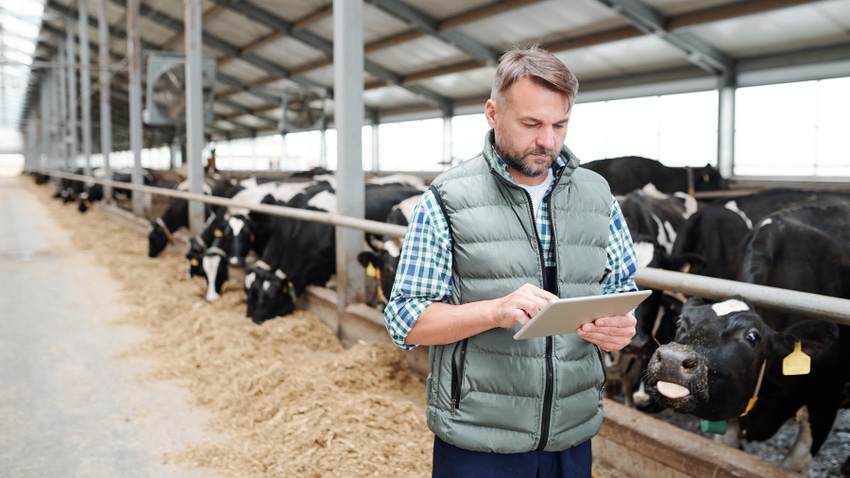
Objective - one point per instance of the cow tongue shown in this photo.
(672, 390)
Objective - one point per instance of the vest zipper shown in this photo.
(548, 390)
(547, 397)
(457, 373)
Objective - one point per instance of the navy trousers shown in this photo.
(453, 462)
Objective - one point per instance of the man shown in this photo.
(489, 244)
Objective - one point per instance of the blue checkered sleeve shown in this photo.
(423, 275)
(622, 260)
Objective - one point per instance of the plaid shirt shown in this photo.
(424, 273)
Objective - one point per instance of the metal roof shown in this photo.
(438, 57)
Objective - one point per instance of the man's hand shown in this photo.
(520, 305)
(609, 333)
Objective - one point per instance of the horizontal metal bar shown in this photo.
(366, 225)
(783, 300)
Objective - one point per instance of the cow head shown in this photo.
(712, 367)
(708, 178)
(384, 262)
(243, 236)
(195, 255)
(215, 269)
(270, 294)
(214, 260)
(158, 238)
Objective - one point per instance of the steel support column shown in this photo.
(105, 94)
(134, 67)
(348, 100)
(726, 126)
(85, 84)
(72, 91)
(194, 109)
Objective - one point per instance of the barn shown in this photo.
(204, 204)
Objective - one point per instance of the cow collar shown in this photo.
(165, 229)
(217, 251)
(755, 396)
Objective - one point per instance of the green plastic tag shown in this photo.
(718, 428)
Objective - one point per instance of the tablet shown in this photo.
(565, 316)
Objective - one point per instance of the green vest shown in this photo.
(490, 392)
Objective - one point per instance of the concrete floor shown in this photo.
(69, 406)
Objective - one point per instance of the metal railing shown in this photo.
(783, 300)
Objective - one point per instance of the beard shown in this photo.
(524, 164)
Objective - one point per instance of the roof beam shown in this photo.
(422, 22)
(647, 20)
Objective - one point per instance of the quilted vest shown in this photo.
(490, 392)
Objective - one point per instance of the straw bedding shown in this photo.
(284, 398)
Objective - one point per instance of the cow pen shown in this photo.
(633, 443)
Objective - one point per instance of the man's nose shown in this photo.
(546, 138)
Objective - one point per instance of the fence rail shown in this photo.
(784, 300)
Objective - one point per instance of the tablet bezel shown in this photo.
(565, 316)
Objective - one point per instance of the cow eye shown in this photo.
(752, 337)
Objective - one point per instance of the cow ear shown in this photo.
(815, 336)
(365, 258)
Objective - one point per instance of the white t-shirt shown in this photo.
(537, 192)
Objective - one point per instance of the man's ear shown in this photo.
(490, 110)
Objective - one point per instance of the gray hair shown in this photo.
(535, 63)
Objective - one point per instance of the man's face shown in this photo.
(530, 125)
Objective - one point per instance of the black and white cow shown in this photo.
(711, 369)
(384, 260)
(710, 243)
(94, 192)
(302, 253)
(653, 219)
(627, 173)
(177, 215)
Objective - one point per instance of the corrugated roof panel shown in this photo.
(460, 86)
(235, 28)
(786, 29)
(423, 53)
(539, 21)
(291, 10)
(289, 52)
(624, 57)
(242, 70)
(377, 25)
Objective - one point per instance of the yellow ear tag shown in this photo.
(797, 362)
(378, 274)
(194, 262)
(217, 233)
(370, 270)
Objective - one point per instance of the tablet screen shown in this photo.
(565, 316)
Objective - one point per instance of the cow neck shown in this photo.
(755, 397)
(164, 227)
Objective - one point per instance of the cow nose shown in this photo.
(677, 361)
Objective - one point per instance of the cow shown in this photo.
(94, 192)
(238, 231)
(162, 229)
(710, 242)
(384, 260)
(627, 173)
(712, 367)
(302, 253)
(653, 219)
